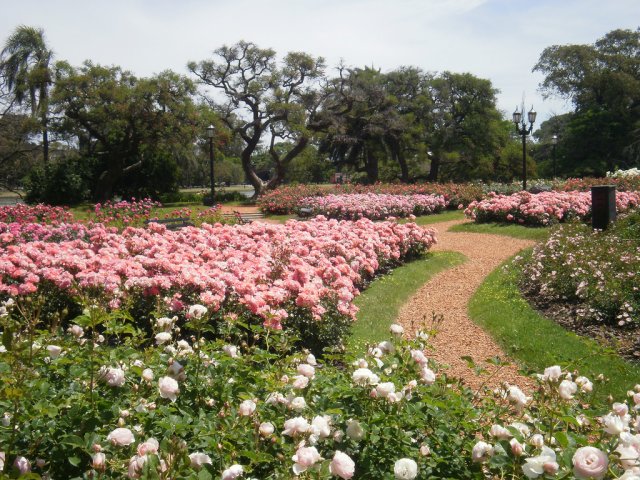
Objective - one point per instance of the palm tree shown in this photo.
(24, 63)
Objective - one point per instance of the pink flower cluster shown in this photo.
(541, 208)
(373, 206)
(125, 212)
(15, 232)
(264, 268)
(40, 213)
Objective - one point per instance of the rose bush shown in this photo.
(303, 275)
(593, 273)
(288, 199)
(543, 208)
(373, 205)
(242, 416)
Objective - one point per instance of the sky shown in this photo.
(500, 40)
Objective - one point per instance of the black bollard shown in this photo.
(603, 206)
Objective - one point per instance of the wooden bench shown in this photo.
(242, 218)
(171, 223)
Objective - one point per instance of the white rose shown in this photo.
(197, 311)
(298, 404)
(54, 351)
(384, 389)
(567, 389)
(233, 472)
(552, 374)
(168, 388)
(481, 452)
(266, 429)
(306, 370)
(535, 466)
(198, 459)
(147, 375)
(590, 462)
(295, 426)
(247, 408)
(304, 458)
(321, 426)
(405, 469)
(231, 350)
(396, 329)
(354, 430)
(114, 377)
(162, 338)
(364, 377)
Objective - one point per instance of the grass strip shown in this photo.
(507, 229)
(380, 303)
(536, 342)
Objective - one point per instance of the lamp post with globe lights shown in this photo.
(523, 130)
(554, 142)
(210, 133)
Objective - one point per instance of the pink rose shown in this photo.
(22, 464)
(98, 461)
(121, 437)
(342, 466)
(590, 462)
(150, 446)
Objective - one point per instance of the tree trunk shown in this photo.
(283, 164)
(435, 167)
(45, 140)
(372, 166)
(404, 169)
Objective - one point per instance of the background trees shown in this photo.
(264, 101)
(25, 66)
(287, 120)
(603, 83)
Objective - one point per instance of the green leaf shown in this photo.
(75, 461)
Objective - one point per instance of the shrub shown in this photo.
(62, 183)
(594, 272)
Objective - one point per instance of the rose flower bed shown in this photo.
(289, 199)
(99, 401)
(543, 208)
(592, 278)
(302, 274)
(373, 206)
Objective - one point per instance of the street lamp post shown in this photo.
(554, 141)
(521, 129)
(210, 132)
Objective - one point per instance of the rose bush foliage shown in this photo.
(543, 208)
(194, 408)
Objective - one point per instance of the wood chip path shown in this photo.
(449, 292)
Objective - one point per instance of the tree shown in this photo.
(264, 99)
(364, 122)
(25, 65)
(131, 130)
(465, 130)
(603, 83)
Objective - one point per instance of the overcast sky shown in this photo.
(496, 39)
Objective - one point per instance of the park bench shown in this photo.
(171, 223)
(242, 218)
(304, 212)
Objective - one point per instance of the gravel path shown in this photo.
(448, 293)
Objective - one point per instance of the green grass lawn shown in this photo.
(380, 303)
(536, 342)
(509, 230)
(444, 216)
